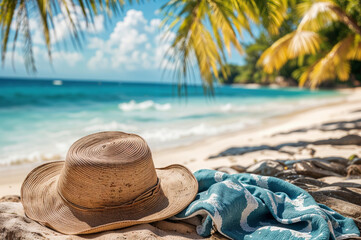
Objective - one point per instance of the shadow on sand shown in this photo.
(346, 140)
(330, 126)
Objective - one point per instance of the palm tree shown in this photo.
(330, 63)
(205, 29)
(15, 16)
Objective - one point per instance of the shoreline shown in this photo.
(192, 155)
(195, 155)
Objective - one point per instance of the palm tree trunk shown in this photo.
(347, 20)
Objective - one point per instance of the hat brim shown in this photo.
(43, 204)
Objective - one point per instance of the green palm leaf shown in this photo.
(333, 65)
(316, 15)
(206, 29)
(295, 44)
(18, 11)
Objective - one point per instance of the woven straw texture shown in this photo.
(108, 181)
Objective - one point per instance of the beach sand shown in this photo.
(307, 125)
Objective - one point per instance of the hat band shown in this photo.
(141, 198)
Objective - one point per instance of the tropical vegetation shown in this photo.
(329, 33)
(311, 40)
(205, 29)
(250, 71)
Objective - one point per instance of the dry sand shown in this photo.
(274, 131)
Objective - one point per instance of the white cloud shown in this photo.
(64, 58)
(64, 27)
(95, 43)
(70, 58)
(61, 60)
(134, 44)
(154, 25)
(96, 27)
(98, 61)
(60, 33)
(148, 46)
(13, 58)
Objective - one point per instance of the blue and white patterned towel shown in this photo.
(248, 206)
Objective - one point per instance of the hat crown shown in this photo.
(107, 169)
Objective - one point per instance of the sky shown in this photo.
(129, 48)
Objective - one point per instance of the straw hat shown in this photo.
(107, 181)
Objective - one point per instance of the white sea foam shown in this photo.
(146, 105)
(111, 126)
(31, 158)
(229, 107)
(172, 134)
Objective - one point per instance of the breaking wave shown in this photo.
(171, 134)
(111, 126)
(146, 105)
(31, 158)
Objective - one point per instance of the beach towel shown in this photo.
(249, 206)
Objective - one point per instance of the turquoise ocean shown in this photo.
(40, 119)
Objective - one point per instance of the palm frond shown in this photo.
(7, 15)
(304, 76)
(194, 40)
(272, 13)
(207, 29)
(319, 14)
(276, 56)
(316, 15)
(18, 11)
(355, 51)
(303, 42)
(295, 44)
(334, 64)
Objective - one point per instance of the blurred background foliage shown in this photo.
(325, 48)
